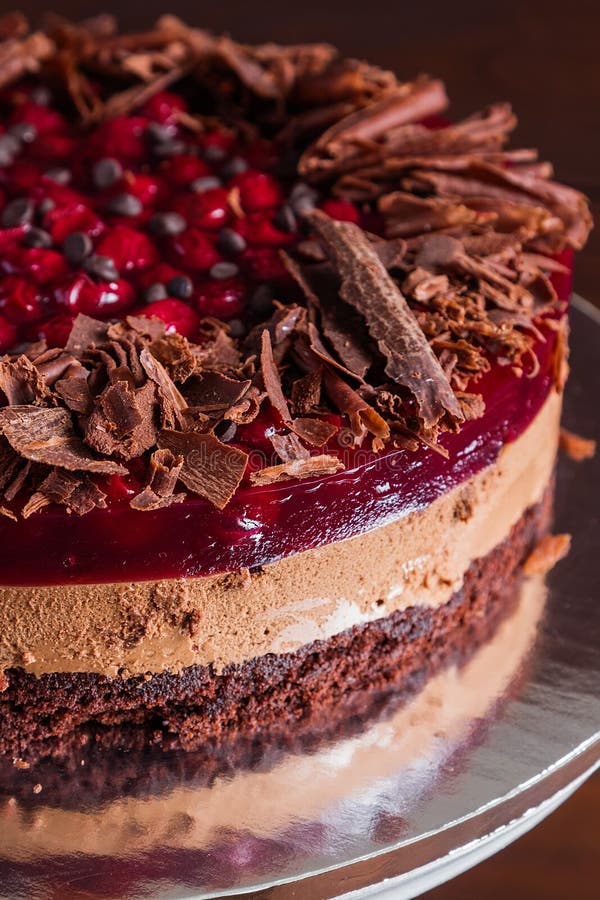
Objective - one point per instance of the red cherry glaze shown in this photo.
(81, 294)
(259, 231)
(341, 210)
(263, 264)
(176, 315)
(164, 107)
(62, 222)
(181, 171)
(224, 299)
(42, 266)
(261, 525)
(208, 209)
(56, 330)
(258, 191)
(130, 249)
(194, 251)
(8, 334)
(20, 301)
(122, 137)
(43, 118)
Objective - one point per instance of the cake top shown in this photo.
(209, 249)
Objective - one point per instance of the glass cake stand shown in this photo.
(392, 807)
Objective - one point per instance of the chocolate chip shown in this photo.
(213, 153)
(167, 149)
(37, 238)
(24, 132)
(231, 241)
(233, 167)
(106, 172)
(206, 183)
(46, 206)
(159, 133)
(155, 293)
(285, 220)
(181, 287)
(237, 329)
(9, 147)
(17, 212)
(167, 224)
(261, 301)
(125, 205)
(41, 95)
(76, 247)
(303, 199)
(102, 267)
(58, 175)
(222, 270)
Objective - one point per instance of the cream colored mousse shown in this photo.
(155, 626)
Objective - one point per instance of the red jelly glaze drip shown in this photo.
(259, 525)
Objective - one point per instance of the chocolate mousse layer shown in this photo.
(199, 703)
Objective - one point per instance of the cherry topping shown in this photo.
(164, 107)
(8, 334)
(194, 251)
(207, 209)
(20, 301)
(223, 299)
(177, 316)
(81, 294)
(128, 248)
(341, 210)
(258, 191)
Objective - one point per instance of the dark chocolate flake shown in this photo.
(47, 436)
(210, 468)
(313, 467)
(368, 287)
(165, 469)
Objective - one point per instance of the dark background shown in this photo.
(545, 58)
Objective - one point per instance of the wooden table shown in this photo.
(543, 56)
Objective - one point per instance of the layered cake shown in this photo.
(283, 352)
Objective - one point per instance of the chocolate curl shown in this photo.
(368, 287)
(340, 143)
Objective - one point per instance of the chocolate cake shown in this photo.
(283, 352)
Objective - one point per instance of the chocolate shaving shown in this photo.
(368, 287)
(172, 402)
(550, 550)
(165, 469)
(313, 467)
(47, 436)
(271, 378)
(306, 392)
(576, 447)
(210, 468)
(288, 448)
(315, 431)
(21, 383)
(214, 391)
(362, 416)
(122, 423)
(78, 493)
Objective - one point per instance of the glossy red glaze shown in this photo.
(261, 525)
